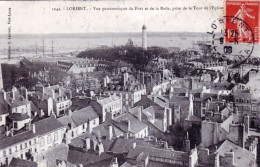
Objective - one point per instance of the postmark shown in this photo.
(226, 41)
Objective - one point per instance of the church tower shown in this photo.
(144, 38)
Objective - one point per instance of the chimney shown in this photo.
(13, 91)
(114, 162)
(26, 94)
(186, 143)
(41, 113)
(105, 82)
(110, 132)
(133, 145)
(246, 123)
(140, 113)
(128, 125)
(53, 93)
(236, 110)
(100, 148)
(126, 135)
(4, 95)
(229, 156)
(216, 163)
(87, 142)
(165, 144)
(125, 78)
(69, 112)
(59, 91)
(33, 129)
(218, 110)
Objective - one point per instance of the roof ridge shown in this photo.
(73, 119)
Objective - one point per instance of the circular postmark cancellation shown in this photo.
(232, 38)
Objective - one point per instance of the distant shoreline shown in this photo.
(108, 35)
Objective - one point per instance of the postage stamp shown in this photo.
(242, 12)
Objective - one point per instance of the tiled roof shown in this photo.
(135, 125)
(242, 157)
(182, 101)
(14, 102)
(9, 141)
(65, 120)
(86, 158)
(16, 162)
(79, 117)
(226, 123)
(108, 100)
(48, 93)
(47, 125)
(83, 115)
(3, 108)
(122, 145)
(157, 152)
(18, 116)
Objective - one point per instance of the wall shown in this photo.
(193, 158)
(19, 150)
(21, 124)
(236, 134)
(138, 94)
(22, 109)
(51, 139)
(143, 133)
(211, 133)
(3, 119)
(92, 124)
(60, 106)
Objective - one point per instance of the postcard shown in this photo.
(120, 83)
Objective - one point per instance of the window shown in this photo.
(4, 153)
(25, 145)
(72, 133)
(94, 122)
(56, 136)
(21, 156)
(10, 150)
(16, 148)
(49, 139)
(30, 142)
(35, 141)
(15, 125)
(42, 141)
(21, 146)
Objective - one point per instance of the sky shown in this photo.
(39, 17)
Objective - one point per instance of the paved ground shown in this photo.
(48, 159)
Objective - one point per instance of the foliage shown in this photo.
(29, 76)
(134, 55)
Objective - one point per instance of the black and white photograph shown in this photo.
(129, 83)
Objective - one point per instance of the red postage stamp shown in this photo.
(244, 24)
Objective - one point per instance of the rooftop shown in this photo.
(9, 141)
(47, 125)
(242, 157)
(157, 152)
(79, 117)
(17, 162)
(108, 100)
